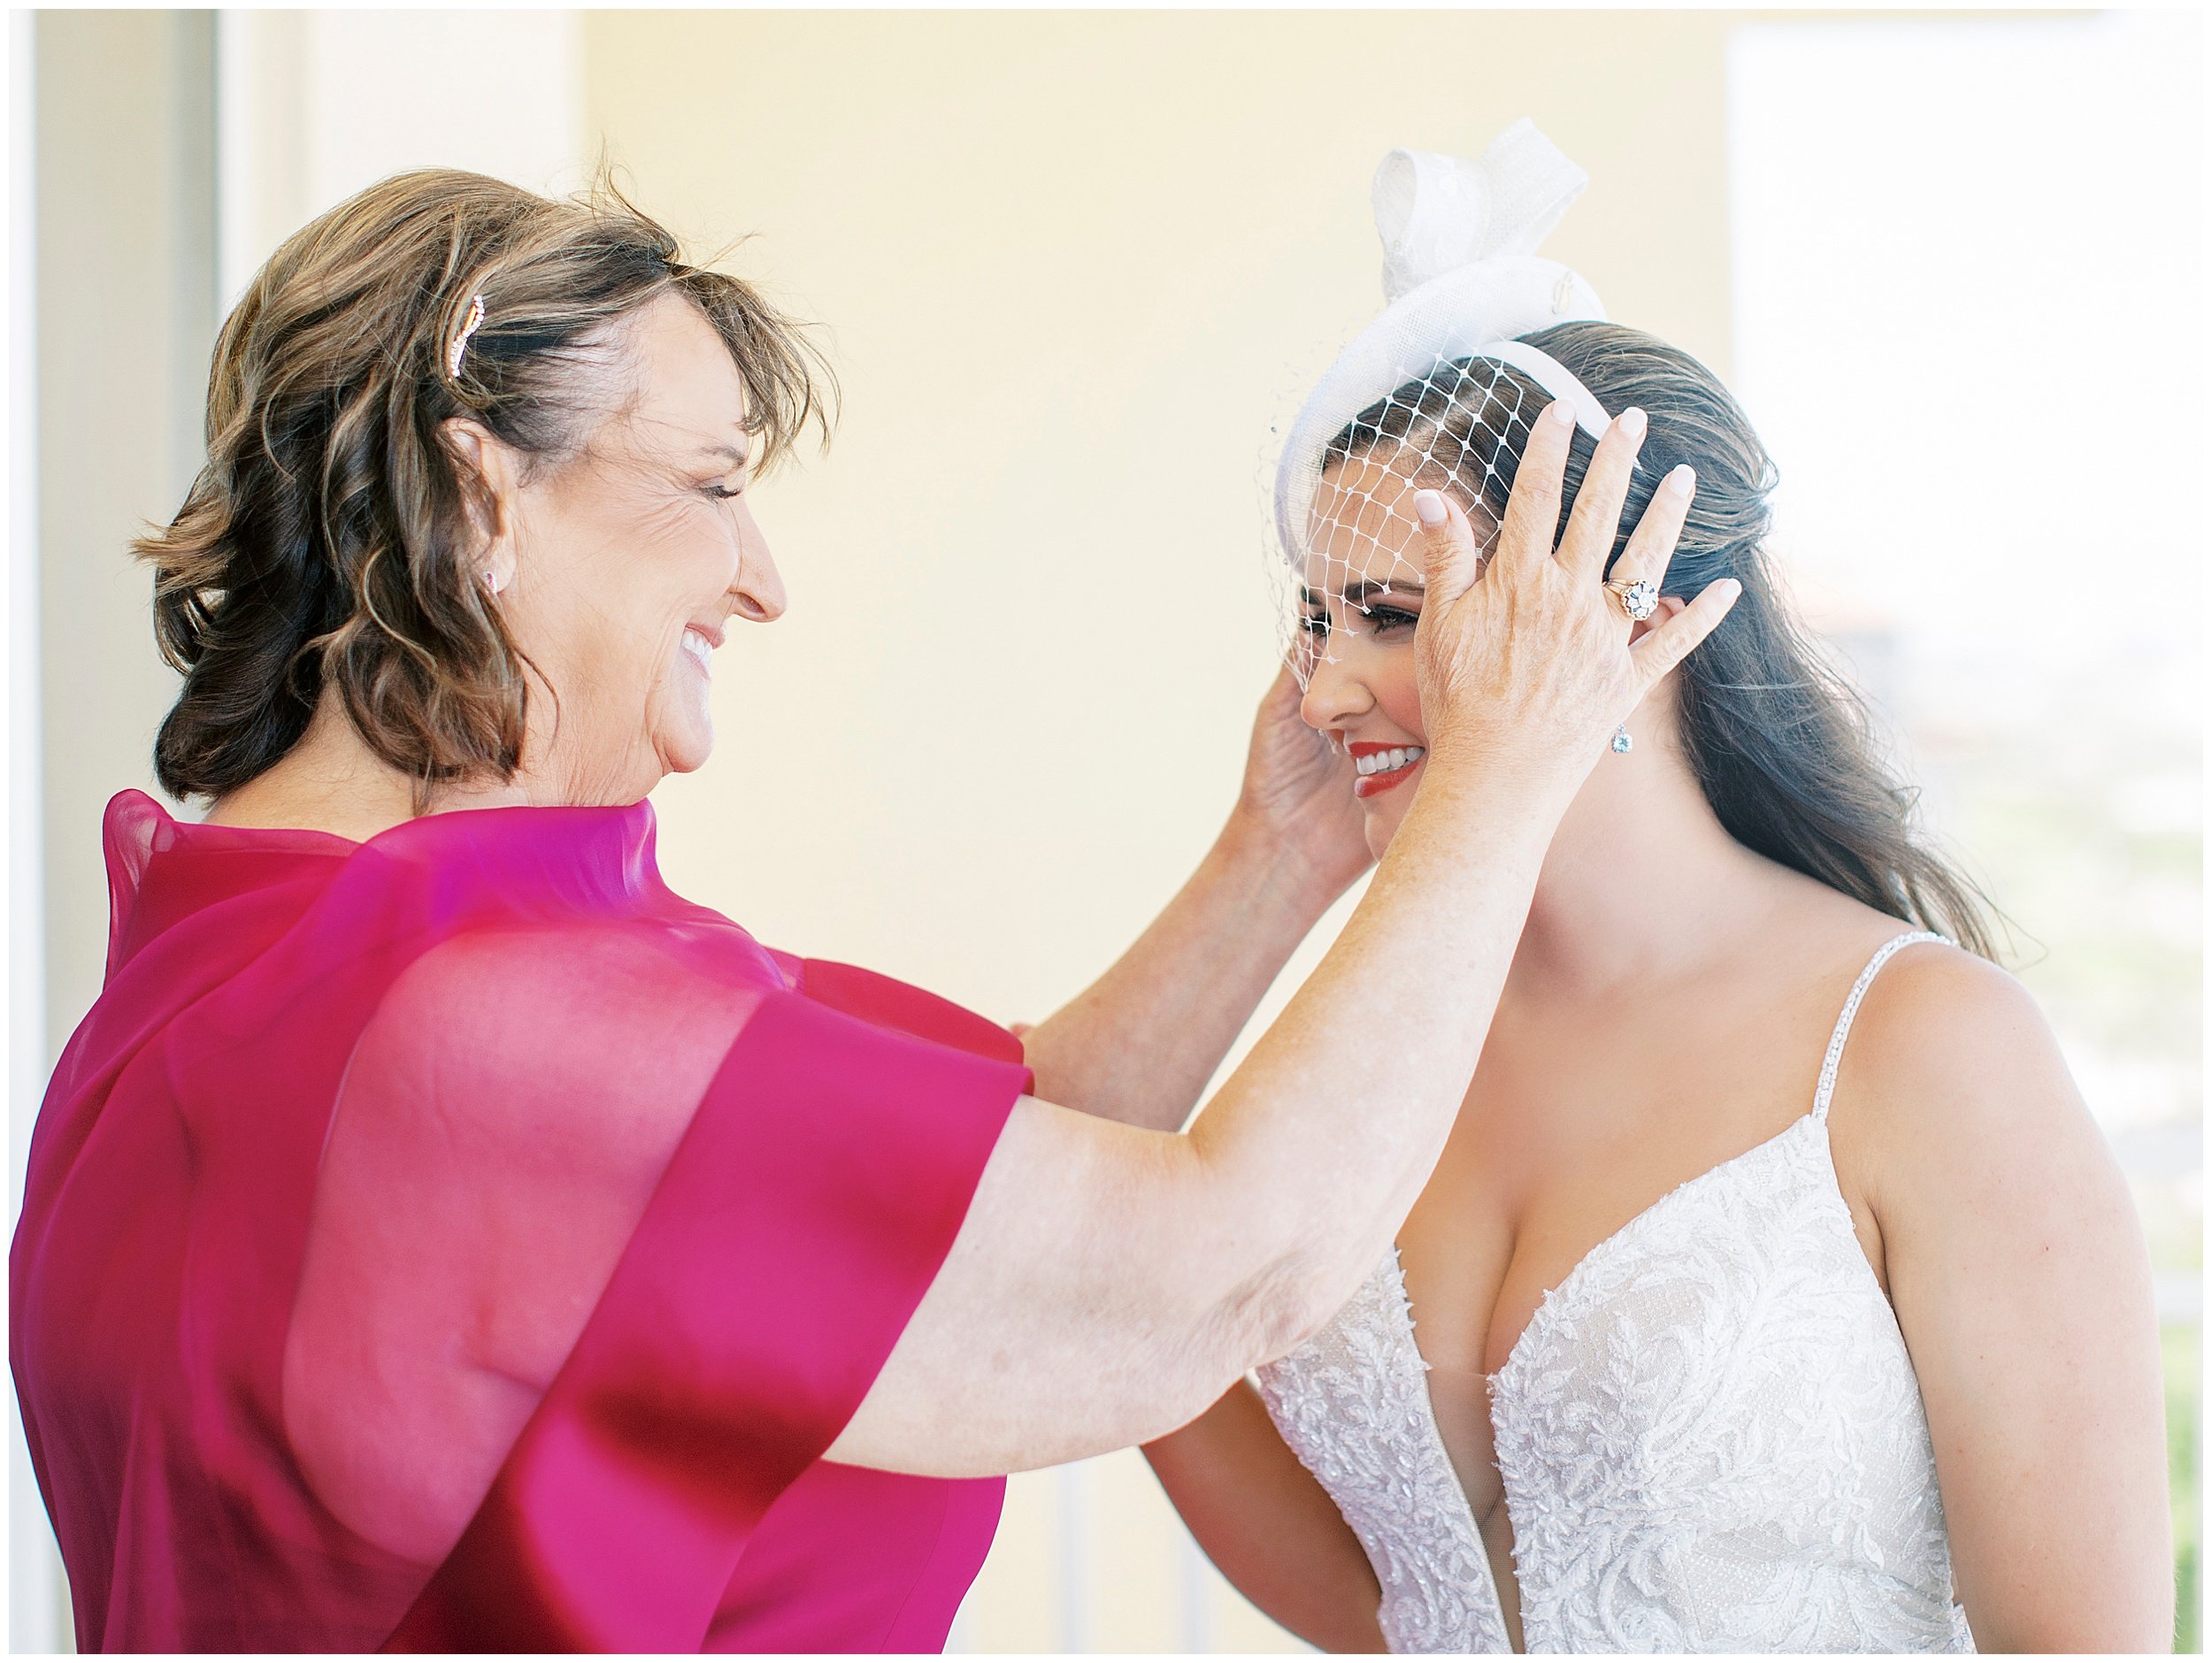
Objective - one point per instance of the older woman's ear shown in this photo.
(489, 473)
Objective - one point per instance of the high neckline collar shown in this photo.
(528, 861)
(628, 823)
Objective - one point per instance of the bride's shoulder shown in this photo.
(1940, 1019)
(1953, 1083)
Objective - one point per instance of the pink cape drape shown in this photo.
(667, 1491)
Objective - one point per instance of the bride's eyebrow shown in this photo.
(1368, 589)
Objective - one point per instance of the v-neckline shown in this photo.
(1403, 1306)
(1547, 1309)
(1547, 1306)
(1555, 1296)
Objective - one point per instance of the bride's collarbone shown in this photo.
(1569, 1135)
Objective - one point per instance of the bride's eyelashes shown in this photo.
(1379, 620)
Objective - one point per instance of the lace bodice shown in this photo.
(1710, 1436)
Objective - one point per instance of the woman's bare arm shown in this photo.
(2020, 1279)
(1109, 1283)
(1267, 1526)
(1122, 1278)
(1140, 1044)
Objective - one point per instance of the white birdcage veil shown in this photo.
(1463, 281)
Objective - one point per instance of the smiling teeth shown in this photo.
(700, 648)
(1389, 762)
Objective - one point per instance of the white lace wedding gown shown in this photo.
(1710, 1436)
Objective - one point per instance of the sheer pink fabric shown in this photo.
(457, 1241)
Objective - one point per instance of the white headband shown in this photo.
(1555, 378)
(1462, 279)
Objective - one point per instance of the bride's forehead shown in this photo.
(1381, 473)
(1330, 574)
(1362, 529)
(1358, 564)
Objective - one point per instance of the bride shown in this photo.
(1711, 1331)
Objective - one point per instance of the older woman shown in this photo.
(440, 1236)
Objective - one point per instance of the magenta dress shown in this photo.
(276, 1002)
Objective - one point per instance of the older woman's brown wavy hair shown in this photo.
(329, 540)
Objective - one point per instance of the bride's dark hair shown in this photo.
(1780, 742)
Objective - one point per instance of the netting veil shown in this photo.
(1437, 391)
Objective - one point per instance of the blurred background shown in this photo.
(1070, 267)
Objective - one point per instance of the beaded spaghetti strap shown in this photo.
(1890, 950)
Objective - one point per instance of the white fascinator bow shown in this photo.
(1462, 279)
(1437, 213)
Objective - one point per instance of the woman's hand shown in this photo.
(1537, 653)
(1140, 1044)
(1297, 797)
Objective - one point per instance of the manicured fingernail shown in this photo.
(1428, 508)
(1631, 423)
(1561, 412)
(1682, 481)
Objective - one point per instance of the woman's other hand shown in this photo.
(1297, 796)
(1140, 1044)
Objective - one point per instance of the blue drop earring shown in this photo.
(1621, 743)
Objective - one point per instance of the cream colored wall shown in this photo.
(126, 278)
(1070, 267)
(123, 279)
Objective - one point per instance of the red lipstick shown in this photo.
(1369, 784)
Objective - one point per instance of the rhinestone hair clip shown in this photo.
(461, 341)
